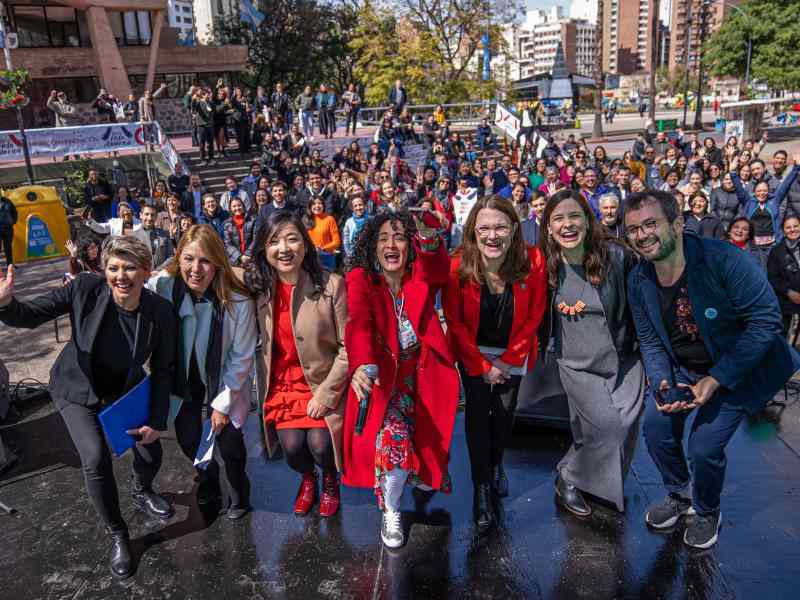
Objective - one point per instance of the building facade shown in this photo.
(691, 21)
(81, 46)
(547, 39)
(181, 18)
(627, 36)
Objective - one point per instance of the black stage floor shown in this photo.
(53, 548)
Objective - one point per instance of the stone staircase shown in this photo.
(214, 174)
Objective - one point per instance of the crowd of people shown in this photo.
(365, 297)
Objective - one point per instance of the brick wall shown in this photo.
(169, 113)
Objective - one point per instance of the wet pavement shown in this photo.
(53, 548)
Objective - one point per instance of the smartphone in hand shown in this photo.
(673, 395)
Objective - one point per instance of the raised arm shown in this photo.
(741, 194)
(32, 313)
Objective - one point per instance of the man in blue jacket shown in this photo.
(710, 332)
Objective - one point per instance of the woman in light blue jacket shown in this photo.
(217, 340)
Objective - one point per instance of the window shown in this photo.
(46, 27)
(31, 26)
(131, 28)
(62, 26)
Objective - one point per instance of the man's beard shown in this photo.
(668, 246)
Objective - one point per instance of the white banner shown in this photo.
(734, 129)
(506, 121)
(61, 141)
(170, 155)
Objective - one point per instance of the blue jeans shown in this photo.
(327, 260)
(712, 427)
(307, 122)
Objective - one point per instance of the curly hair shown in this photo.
(84, 243)
(365, 247)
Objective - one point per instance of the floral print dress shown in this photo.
(394, 445)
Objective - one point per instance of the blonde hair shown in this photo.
(225, 280)
(127, 247)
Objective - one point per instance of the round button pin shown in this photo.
(711, 313)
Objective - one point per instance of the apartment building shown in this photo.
(548, 39)
(180, 15)
(627, 36)
(685, 28)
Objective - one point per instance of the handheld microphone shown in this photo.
(370, 371)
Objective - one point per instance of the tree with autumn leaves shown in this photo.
(434, 46)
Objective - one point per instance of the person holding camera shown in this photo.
(711, 337)
(117, 326)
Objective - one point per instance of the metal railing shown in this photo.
(463, 113)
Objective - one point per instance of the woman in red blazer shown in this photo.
(396, 269)
(493, 302)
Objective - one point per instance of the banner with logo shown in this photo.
(506, 121)
(61, 141)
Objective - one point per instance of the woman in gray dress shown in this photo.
(601, 373)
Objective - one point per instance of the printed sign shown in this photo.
(40, 242)
(506, 121)
(734, 128)
(60, 141)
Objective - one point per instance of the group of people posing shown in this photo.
(649, 325)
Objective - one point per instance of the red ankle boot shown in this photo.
(329, 501)
(307, 494)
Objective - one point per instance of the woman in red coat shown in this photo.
(494, 302)
(396, 269)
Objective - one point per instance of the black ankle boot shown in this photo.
(500, 481)
(154, 505)
(482, 508)
(120, 561)
(571, 498)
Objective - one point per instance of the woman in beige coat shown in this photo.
(302, 312)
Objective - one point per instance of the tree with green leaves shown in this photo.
(437, 61)
(773, 27)
(301, 42)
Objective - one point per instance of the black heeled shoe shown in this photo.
(120, 561)
(500, 482)
(572, 499)
(482, 508)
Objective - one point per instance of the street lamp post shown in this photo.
(597, 129)
(20, 121)
(698, 101)
(686, 61)
(749, 44)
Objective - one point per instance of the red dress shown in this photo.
(289, 392)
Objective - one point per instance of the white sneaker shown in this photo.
(392, 529)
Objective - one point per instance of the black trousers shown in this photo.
(243, 135)
(206, 139)
(98, 471)
(6, 240)
(488, 417)
(352, 117)
(230, 454)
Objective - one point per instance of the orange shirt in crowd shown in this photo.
(325, 233)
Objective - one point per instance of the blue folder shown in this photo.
(131, 411)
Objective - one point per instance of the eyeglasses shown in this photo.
(648, 227)
(500, 231)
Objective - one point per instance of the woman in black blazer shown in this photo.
(117, 326)
(783, 269)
